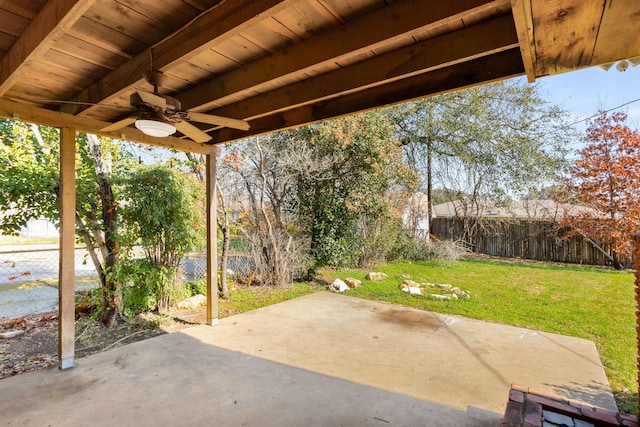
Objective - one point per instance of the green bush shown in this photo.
(444, 251)
(149, 286)
(196, 287)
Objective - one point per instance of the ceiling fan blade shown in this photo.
(119, 124)
(219, 121)
(192, 132)
(152, 98)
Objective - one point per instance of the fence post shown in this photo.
(636, 267)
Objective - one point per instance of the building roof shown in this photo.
(521, 209)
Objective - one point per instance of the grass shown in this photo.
(246, 298)
(591, 303)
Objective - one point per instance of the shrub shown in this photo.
(377, 237)
(150, 286)
(196, 287)
(444, 251)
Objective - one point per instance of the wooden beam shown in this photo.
(391, 23)
(66, 272)
(212, 240)
(26, 113)
(618, 33)
(223, 21)
(479, 71)
(565, 34)
(524, 27)
(55, 18)
(485, 38)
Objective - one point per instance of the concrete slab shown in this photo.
(450, 360)
(323, 359)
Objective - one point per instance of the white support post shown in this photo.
(212, 239)
(66, 272)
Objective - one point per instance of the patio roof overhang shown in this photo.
(278, 64)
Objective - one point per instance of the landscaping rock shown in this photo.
(338, 286)
(352, 283)
(193, 302)
(412, 290)
(11, 334)
(410, 284)
(376, 276)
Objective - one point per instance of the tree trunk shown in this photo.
(223, 224)
(110, 288)
(224, 287)
(429, 191)
(271, 256)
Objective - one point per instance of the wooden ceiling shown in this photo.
(279, 64)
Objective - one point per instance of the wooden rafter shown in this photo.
(524, 26)
(14, 110)
(485, 38)
(393, 22)
(55, 18)
(218, 24)
(481, 70)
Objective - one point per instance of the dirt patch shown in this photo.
(37, 346)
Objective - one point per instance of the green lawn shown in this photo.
(591, 303)
(246, 298)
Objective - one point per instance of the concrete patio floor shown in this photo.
(318, 360)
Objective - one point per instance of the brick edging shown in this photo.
(526, 406)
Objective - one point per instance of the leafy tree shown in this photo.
(338, 185)
(606, 177)
(163, 210)
(29, 179)
(350, 203)
(488, 143)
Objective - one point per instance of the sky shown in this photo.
(586, 91)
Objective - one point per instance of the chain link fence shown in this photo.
(29, 275)
(29, 278)
(23, 264)
(239, 263)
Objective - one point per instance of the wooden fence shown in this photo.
(537, 240)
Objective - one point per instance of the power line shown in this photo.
(598, 114)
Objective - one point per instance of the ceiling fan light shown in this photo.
(155, 128)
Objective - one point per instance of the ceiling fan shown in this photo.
(161, 115)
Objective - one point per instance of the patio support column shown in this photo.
(66, 271)
(212, 239)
